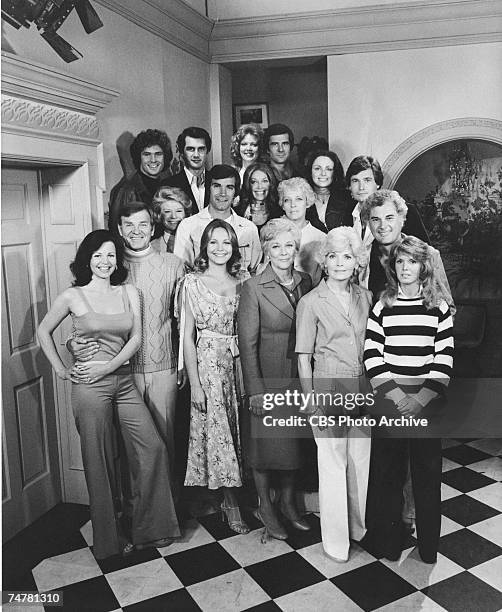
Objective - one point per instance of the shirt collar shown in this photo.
(191, 176)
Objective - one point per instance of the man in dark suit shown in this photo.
(364, 176)
(193, 145)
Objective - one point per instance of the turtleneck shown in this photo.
(151, 183)
(130, 254)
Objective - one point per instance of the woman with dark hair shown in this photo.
(246, 147)
(259, 197)
(209, 300)
(104, 309)
(324, 172)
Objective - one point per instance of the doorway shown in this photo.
(44, 216)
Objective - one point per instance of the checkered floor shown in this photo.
(213, 569)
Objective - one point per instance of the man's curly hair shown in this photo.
(149, 138)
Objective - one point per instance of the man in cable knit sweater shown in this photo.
(155, 275)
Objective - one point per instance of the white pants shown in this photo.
(343, 456)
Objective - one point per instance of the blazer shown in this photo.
(180, 180)
(334, 337)
(266, 327)
(336, 211)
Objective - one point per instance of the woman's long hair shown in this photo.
(80, 267)
(201, 262)
(246, 196)
(419, 251)
(338, 181)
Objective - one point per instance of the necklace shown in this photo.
(287, 283)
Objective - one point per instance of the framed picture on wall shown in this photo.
(251, 113)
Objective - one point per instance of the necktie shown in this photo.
(200, 180)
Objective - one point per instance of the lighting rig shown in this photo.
(48, 16)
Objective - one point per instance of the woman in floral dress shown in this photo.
(210, 297)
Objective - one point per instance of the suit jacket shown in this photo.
(180, 180)
(333, 336)
(266, 324)
(413, 226)
(336, 211)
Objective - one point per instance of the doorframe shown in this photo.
(49, 119)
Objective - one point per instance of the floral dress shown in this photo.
(214, 443)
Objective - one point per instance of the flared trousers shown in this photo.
(343, 456)
(153, 514)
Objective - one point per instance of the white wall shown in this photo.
(161, 86)
(378, 100)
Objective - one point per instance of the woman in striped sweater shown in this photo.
(408, 355)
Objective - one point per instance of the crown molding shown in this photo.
(172, 20)
(402, 25)
(29, 80)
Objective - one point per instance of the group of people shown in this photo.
(307, 278)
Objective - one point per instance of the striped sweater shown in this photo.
(407, 345)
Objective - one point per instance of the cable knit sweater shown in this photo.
(155, 276)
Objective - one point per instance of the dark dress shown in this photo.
(266, 323)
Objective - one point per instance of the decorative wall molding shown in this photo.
(29, 114)
(172, 20)
(435, 134)
(355, 30)
(22, 78)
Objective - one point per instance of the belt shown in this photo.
(231, 339)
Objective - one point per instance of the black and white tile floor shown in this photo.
(213, 569)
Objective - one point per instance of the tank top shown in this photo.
(112, 330)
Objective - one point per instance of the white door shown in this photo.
(31, 478)
(66, 219)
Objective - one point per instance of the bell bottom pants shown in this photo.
(153, 514)
(389, 468)
(343, 456)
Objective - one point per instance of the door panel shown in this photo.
(66, 219)
(30, 441)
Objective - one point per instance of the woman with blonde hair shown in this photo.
(169, 205)
(330, 327)
(246, 146)
(266, 323)
(295, 197)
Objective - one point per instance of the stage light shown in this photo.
(48, 16)
(60, 46)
